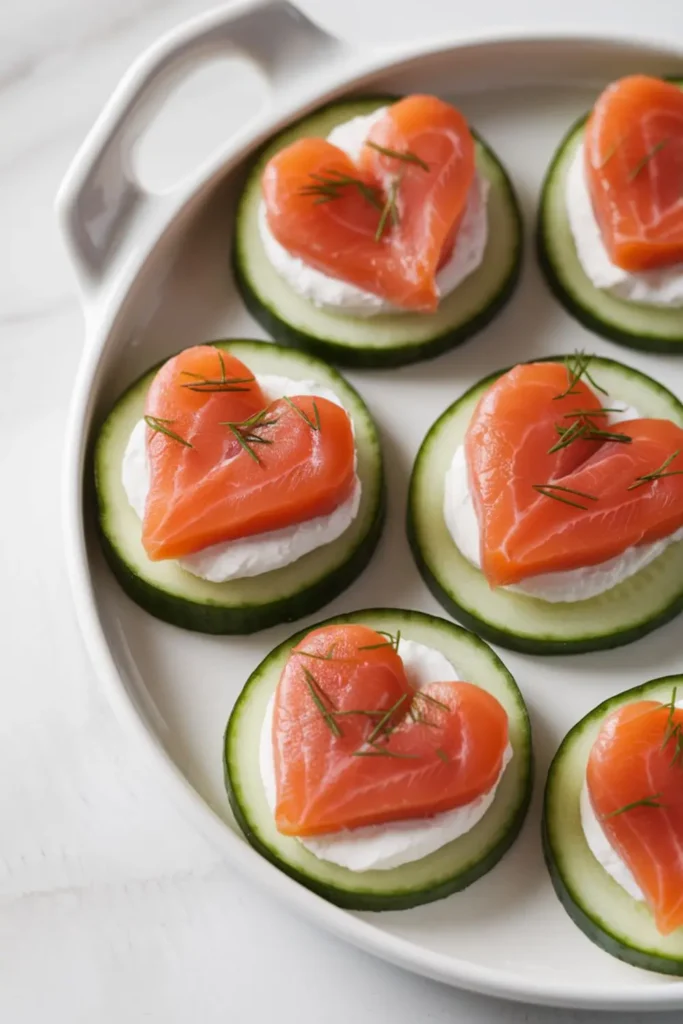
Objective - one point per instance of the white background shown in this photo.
(110, 910)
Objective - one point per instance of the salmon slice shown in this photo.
(190, 409)
(579, 506)
(433, 203)
(251, 468)
(634, 168)
(354, 744)
(635, 784)
(335, 215)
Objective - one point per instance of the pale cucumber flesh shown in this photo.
(448, 869)
(637, 325)
(243, 605)
(386, 339)
(620, 615)
(604, 910)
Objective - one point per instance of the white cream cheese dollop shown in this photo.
(602, 849)
(380, 847)
(263, 552)
(575, 584)
(334, 294)
(663, 287)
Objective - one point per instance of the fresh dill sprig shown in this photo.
(673, 732)
(406, 156)
(160, 426)
(657, 474)
(313, 424)
(392, 640)
(244, 431)
(317, 693)
(389, 210)
(384, 752)
(577, 368)
(207, 385)
(585, 429)
(646, 801)
(385, 719)
(645, 160)
(556, 492)
(330, 185)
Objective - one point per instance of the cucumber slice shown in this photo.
(600, 907)
(637, 325)
(626, 612)
(258, 602)
(380, 341)
(446, 871)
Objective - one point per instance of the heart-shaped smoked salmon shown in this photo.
(543, 511)
(224, 465)
(634, 169)
(635, 784)
(335, 215)
(355, 744)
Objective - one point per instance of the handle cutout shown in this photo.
(199, 113)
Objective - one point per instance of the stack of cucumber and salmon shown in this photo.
(383, 758)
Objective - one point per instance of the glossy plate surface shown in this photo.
(507, 935)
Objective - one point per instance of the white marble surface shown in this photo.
(110, 910)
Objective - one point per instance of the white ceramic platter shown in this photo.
(154, 277)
